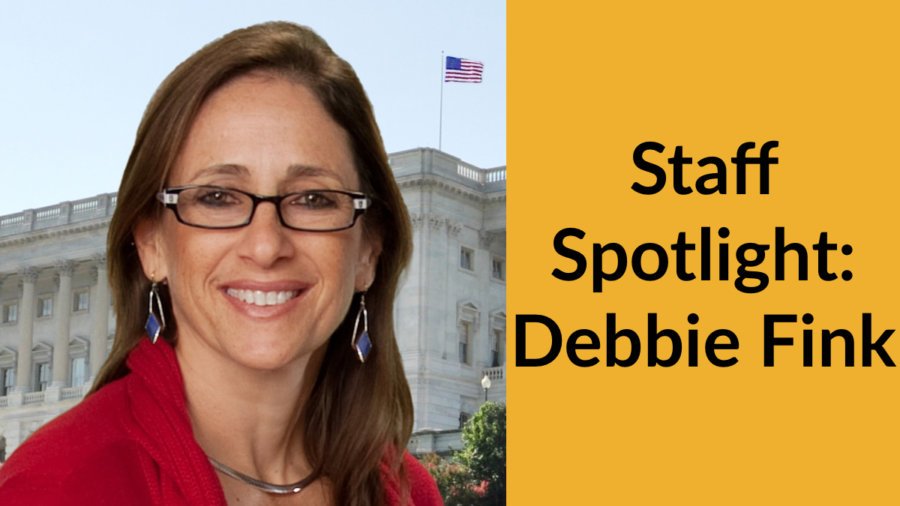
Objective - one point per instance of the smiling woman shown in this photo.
(264, 124)
(259, 222)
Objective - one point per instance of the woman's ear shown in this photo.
(150, 251)
(367, 262)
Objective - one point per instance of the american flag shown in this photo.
(461, 70)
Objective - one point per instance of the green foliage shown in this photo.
(453, 480)
(484, 453)
(475, 475)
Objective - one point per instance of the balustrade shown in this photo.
(64, 213)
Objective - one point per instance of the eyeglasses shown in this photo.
(216, 207)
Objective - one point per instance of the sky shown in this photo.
(75, 78)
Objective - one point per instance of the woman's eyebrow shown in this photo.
(223, 169)
(299, 170)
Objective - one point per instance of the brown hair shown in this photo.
(358, 416)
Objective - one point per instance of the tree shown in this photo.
(453, 480)
(484, 451)
(476, 474)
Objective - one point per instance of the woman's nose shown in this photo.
(265, 239)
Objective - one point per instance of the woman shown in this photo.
(259, 222)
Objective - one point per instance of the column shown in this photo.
(63, 315)
(26, 330)
(99, 318)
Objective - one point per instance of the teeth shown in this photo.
(260, 298)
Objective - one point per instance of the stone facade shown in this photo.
(56, 321)
(451, 309)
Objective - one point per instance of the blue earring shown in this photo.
(154, 325)
(361, 342)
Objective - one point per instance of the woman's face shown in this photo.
(268, 136)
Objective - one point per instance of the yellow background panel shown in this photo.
(587, 84)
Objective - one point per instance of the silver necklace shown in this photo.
(271, 488)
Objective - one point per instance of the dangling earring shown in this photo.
(154, 325)
(362, 343)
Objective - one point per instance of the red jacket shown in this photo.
(131, 443)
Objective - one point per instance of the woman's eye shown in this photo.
(217, 198)
(315, 200)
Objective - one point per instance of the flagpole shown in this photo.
(441, 114)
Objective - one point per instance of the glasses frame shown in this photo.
(169, 199)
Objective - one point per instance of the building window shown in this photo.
(81, 301)
(45, 306)
(498, 269)
(7, 370)
(467, 258)
(463, 418)
(42, 376)
(466, 324)
(7, 380)
(465, 338)
(10, 312)
(496, 347)
(79, 349)
(498, 337)
(79, 371)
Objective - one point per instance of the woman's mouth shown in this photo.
(262, 298)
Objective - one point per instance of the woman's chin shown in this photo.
(273, 354)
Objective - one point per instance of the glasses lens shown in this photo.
(208, 206)
(318, 210)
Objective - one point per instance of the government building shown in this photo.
(56, 319)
